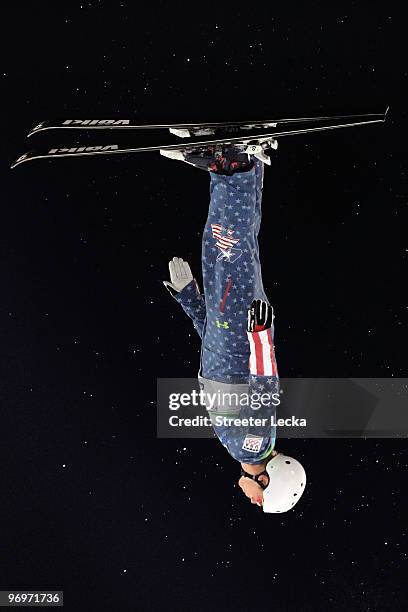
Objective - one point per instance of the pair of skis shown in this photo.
(253, 137)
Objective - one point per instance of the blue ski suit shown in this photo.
(232, 280)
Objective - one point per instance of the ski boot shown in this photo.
(220, 159)
(224, 162)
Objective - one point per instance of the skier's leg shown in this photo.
(259, 174)
(232, 211)
(232, 226)
(231, 272)
(230, 262)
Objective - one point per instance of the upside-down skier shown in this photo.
(233, 316)
(236, 323)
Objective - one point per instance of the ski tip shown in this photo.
(20, 160)
(38, 127)
(386, 112)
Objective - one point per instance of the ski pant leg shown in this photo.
(259, 174)
(231, 272)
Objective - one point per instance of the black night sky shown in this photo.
(93, 503)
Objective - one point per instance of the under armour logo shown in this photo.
(225, 325)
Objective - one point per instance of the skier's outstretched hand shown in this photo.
(260, 316)
(180, 274)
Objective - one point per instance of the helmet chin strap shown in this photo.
(255, 477)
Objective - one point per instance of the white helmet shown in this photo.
(287, 481)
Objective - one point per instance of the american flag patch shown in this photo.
(252, 443)
(223, 236)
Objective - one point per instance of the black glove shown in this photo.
(260, 316)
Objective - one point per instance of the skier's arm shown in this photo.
(184, 288)
(263, 377)
(255, 443)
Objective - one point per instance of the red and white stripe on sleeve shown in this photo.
(262, 361)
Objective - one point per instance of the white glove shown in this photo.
(180, 274)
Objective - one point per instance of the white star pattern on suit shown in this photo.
(231, 283)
